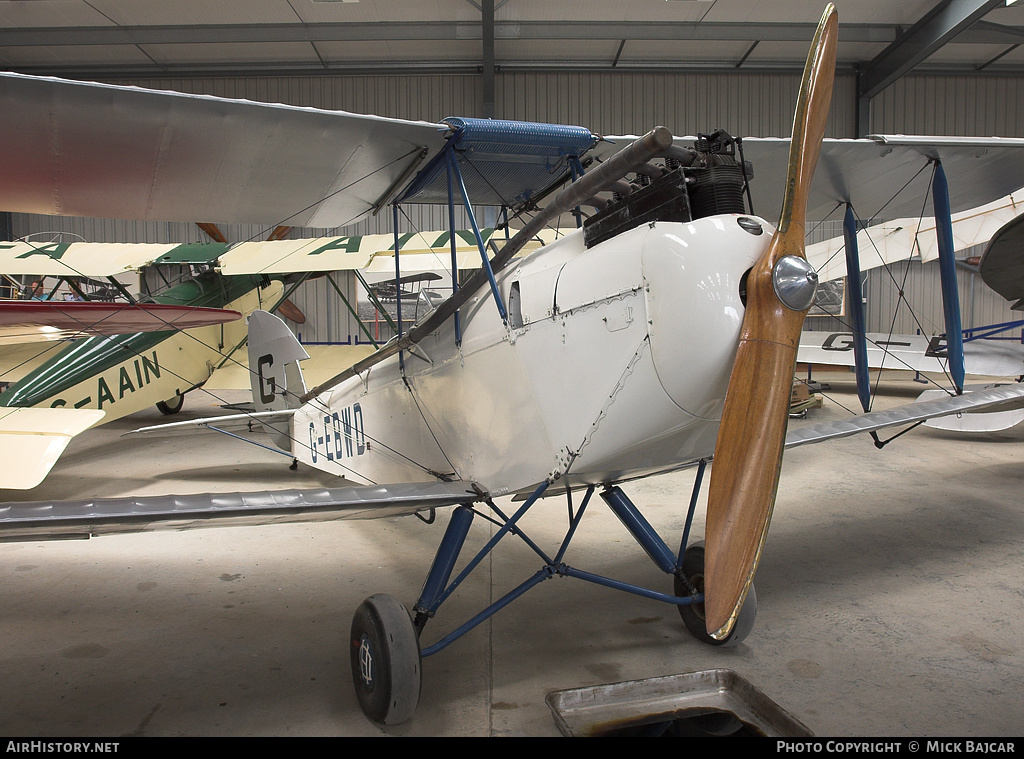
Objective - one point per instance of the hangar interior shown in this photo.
(890, 587)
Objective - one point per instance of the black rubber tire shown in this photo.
(693, 614)
(172, 405)
(385, 657)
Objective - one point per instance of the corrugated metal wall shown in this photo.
(920, 285)
(948, 105)
(755, 105)
(983, 106)
(628, 103)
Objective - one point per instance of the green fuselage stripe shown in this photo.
(84, 358)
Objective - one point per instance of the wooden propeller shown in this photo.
(748, 452)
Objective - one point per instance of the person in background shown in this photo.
(35, 291)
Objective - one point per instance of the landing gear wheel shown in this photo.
(172, 406)
(693, 614)
(385, 656)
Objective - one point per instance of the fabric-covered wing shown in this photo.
(32, 439)
(235, 424)
(76, 259)
(998, 358)
(86, 149)
(41, 520)
(101, 259)
(999, 398)
(871, 172)
(901, 239)
(423, 251)
(23, 321)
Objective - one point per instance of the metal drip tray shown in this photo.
(712, 702)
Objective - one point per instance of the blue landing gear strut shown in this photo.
(686, 568)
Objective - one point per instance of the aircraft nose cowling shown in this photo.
(692, 274)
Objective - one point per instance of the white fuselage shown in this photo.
(614, 364)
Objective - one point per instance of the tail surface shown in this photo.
(274, 373)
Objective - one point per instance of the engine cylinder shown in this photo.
(717, 189)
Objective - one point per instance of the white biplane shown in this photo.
(660, 335)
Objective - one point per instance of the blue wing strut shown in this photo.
(947, 271)
(860, 343)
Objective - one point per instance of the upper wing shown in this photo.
(900, 239)
(76, 259)
(423, 250)
(871, 173)
(86, 149)
(420, 251)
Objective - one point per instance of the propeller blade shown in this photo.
(780, 290)
(212, 231)
(289, 310)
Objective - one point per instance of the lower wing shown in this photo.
(23, 321)
(918, 353)
(63, 519)
(43, 520)
(32, 439)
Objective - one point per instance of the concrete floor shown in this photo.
(890, 599)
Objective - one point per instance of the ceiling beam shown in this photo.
(487, 28)
(135, 71)
(987, 33)
(979, 33)
(430, 30)
(943, 24)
